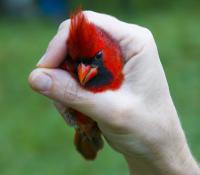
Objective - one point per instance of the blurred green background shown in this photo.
(34, 139)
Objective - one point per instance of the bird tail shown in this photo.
(88, 142)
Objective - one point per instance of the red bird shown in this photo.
(94, 59)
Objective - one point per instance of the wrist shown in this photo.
(174, 159)
(178, 160)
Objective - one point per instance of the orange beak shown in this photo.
(86, 73)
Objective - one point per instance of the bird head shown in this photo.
(94, 56)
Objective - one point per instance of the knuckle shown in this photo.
(88, 12)
(147, 31)
(148, 36)
(64, 24)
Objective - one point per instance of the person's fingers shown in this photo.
(116, 28)
(57, 48)
(130, 37)
(59, 86)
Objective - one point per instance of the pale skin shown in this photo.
(139, 120)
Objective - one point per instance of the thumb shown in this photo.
(59, 86)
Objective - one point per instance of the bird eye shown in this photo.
(99, 55)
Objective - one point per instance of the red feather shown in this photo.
(84, 41)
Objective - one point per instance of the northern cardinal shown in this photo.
(95, 60)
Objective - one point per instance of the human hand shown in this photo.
(139, 120)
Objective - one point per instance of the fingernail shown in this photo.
(41, 82)
(42, 60)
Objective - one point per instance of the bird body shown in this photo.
(94, 59)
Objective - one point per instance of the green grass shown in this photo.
(33, 137)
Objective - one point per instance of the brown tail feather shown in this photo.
(88, 144)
